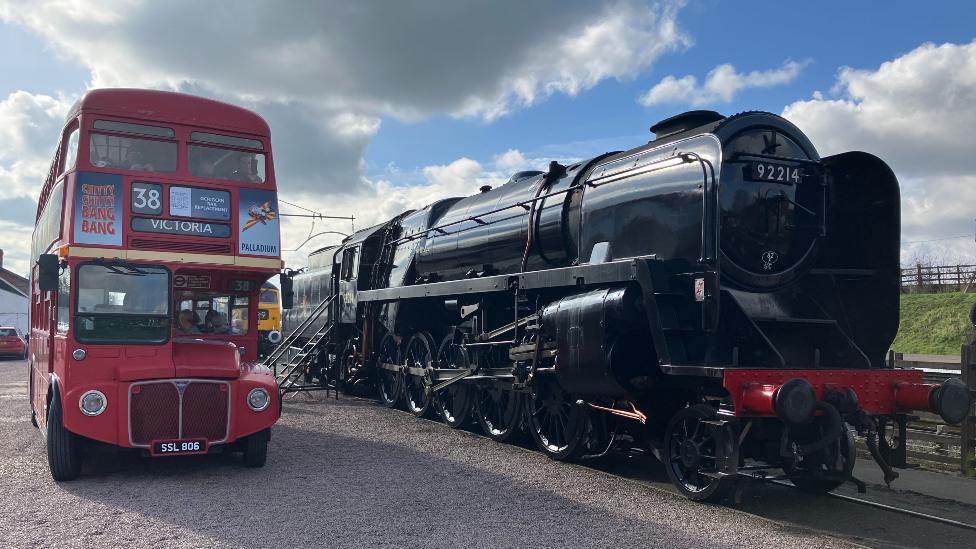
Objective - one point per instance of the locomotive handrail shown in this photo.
(737, 158)
(708, 189)
(284, 346)
(677, 160)
(683, 157)
(475, 218)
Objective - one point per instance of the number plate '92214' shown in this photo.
(774, 172)
(178, 447)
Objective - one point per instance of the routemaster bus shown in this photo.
(156, 227)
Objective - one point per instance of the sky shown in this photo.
(379, 107)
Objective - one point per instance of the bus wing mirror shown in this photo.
(48, 267)
(287, 291)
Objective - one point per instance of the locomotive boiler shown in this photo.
(721, 296)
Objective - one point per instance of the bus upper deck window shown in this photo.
(71, 150)
(209, 159)
(129, 153)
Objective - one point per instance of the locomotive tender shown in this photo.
(722, 296)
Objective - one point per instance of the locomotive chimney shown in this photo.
(484, 188)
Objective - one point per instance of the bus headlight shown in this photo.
(92, 403)
(258, 399)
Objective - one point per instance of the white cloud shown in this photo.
(30, 126)
(407, 59)
(916, 112)
(324, 75)
(617, 43)
(720, 86)
(511, 160)
(385, 200)
(15, 243)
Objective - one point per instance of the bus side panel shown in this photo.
(39, 349)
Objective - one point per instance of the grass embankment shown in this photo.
(933, 323)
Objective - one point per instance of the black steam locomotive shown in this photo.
(721, 296)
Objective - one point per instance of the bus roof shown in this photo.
(177, 108)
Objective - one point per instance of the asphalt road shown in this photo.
(350, 473)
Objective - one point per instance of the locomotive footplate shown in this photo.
(878, 392)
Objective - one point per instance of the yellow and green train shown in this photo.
(269, 318)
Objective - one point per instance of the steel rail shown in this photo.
(886, 507)
(646, 484)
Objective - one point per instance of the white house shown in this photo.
(14, 298)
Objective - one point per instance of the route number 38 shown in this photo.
(147, 198)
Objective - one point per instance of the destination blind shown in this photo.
(174, 226)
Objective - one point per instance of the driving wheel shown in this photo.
(454, 402)
(417, 358)
(498, 410)
(695, 449)
(389, 382)
(556, 423)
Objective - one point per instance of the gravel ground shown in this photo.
(349, 473)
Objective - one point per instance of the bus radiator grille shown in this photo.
(154, 412)
(205, 407)
(157, 411)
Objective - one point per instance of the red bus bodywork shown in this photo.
(93, 214)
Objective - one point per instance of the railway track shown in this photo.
(631, 473)
(886, 507)
(833, 495)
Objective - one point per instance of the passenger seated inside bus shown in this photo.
(187, 322)
(135, 160)
(215, 323)
(129, 153)
(223, 313)
(97, 159)
(246, 169)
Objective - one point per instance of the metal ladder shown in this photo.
(288, 370)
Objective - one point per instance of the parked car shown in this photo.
(12, 343)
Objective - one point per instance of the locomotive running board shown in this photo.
(624, 270)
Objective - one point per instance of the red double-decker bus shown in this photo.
(155, 229)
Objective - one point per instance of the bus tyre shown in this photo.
(256, 448)
(63, 452)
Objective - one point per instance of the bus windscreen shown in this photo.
(120, 303)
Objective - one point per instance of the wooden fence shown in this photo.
(938, 278)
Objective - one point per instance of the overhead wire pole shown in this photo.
(313, 236)
(313, 215)
(317, 215)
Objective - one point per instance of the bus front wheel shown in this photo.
(63, 452)
(256, 448)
